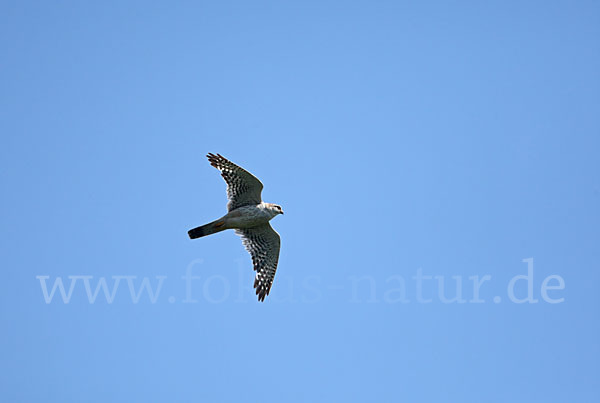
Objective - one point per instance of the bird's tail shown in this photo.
(210, 228)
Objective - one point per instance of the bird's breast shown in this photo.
(246, 217)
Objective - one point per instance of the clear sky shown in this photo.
(412, 145)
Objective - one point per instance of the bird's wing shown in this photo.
(243, 188)
(262, 243)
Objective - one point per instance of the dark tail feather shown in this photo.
(197, 232)
(204, 230)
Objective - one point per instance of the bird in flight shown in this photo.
(249, 216)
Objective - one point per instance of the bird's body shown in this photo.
(249, 217)
(241, 218)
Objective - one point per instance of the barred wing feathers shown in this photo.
(243, 188)
(263, 244)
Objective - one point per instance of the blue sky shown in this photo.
(450, 139)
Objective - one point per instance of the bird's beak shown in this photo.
(281, 212)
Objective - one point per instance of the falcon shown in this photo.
(249, 216)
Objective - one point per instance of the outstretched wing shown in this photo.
(243, 188)
(262, 243)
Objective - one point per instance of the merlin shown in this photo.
(249, 216)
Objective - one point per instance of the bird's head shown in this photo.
(275, 209)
